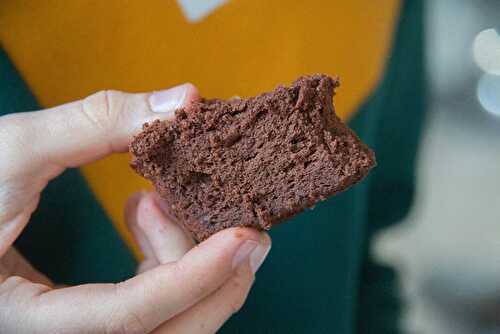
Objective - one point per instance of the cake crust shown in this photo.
(251, 162)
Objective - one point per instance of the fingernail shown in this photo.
(161, 203)
(260, 253)
(243, 253)
(254, 252)
(169, 100)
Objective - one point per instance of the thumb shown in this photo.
(37, 146)
(79, 132)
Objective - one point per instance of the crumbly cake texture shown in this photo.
(251, 162)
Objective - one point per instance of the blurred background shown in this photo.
(447, 250)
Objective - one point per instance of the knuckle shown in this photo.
(9, 289)
(237, 304)
(13, 306)
(15, 281)
(130, 323)
(241, 286)
(102, 109)
(199, 285)
(124, 320)
(238, 301)
(14, 137)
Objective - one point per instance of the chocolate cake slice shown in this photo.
(251, 162)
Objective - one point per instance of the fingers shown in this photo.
(144, 302)
(150, 260)
(210, 314)
(79, 132)
(167, 290)
(168, 240)
(37, 146)
(160, 239)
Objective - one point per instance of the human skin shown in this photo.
(179, 287)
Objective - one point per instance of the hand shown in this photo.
(178, 289)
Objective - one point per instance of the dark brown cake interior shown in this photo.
(251, 162)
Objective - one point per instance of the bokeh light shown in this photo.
(486, 50)
(488, 93)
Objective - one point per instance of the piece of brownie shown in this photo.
(251, 162)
